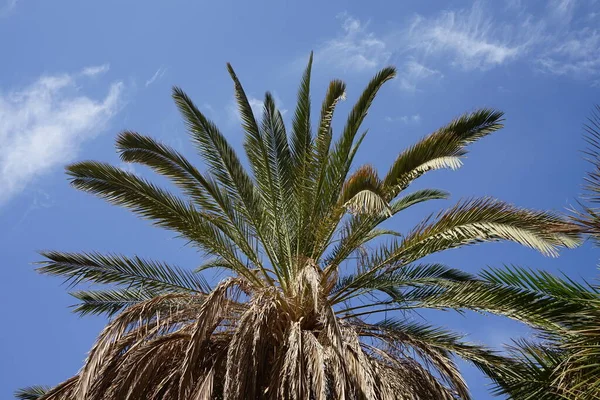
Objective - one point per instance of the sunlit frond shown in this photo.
(441, 149)
(487, 219)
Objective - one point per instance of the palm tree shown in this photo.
(311, 269)
(565, 363)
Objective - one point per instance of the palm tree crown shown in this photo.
(292, 320)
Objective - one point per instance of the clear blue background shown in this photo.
(537, 61)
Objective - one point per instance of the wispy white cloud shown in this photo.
(468, 37)
(578, 55)
(95, 70)
(356, 49)
(561, 39)
(406, 119)
(414, 73)
(44, 124)
(157, 75)
(562, 10)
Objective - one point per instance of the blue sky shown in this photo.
(73, 74)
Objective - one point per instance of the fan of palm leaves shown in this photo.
(565, 362)
(312, 274)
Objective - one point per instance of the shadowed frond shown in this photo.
(396, 282)
(527, 376)
(64, 391)
(540, 281)
(131, 272)
(31, 393)
(112, 301)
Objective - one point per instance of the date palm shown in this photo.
(565, 362)
(312, 272)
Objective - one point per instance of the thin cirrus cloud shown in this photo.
(413, 72)
(157, 75)
(95, 70)
(467, 37)
(559, 39)
(405, 119)
(462, 36)
(356, 48)
(43, 125)
(578, 56)
(562, 9)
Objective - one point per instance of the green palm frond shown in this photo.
(395, 282)
(428, 336)
(335, 93)
(342, 155)
(135, 272)
(220, 157)
(31, 393)
(164, 209)
(441, 149)
(254, 144)
(136, 148)
(205, 192)
(472, 222)
(564, 364)
(142, 197)
(301, 137)
(589, 217)
(275, 182)
(532, 308)
(111, 301)
(362, 193)
(487, 219)
(364, 178)
(437, 345)
(341, 159)
(543, 282)
(530, 374)
(358, 230)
